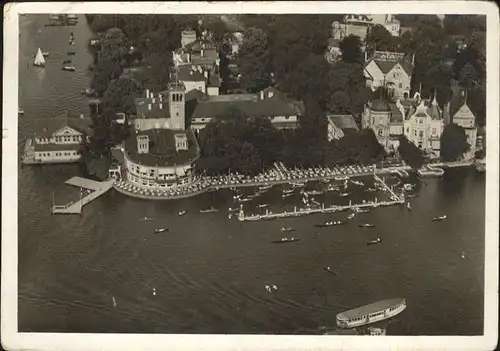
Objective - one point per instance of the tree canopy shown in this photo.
(410, 153)
(453, 143)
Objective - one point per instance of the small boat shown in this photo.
(326, 181)
(285, 240)
(66, 62)
(245, 199)
(237, 197)
(430, 172)
(263, 205)
(480, 165)
(182, 212)
(284, 196)
(288, 191)
(297, 184)
(361, 210)
(39, 59)
(440, 218)
(287, 229)
(332, 187)
(265, 187)
(330, 224)
(367, 225)
(114, 301)
(68, 68)
(373, 242)
(408, 186)
(268, 288)
(329, 270)
(20, 111)
(351, 216)
(376, 331)
(45, 54)
(161, 230)
(408, 206)
(313, 192)
(411, 196)
(341, 178)
(71, 53)
(147, 219)
(344, 194)
(359, 183)
(209, 210)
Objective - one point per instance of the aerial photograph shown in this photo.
(281, 174)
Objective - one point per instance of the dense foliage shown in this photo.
(411, 154)
(453, 143)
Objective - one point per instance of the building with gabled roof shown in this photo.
(390, 70)
(340, 125)
(57, 139)
(463, 116)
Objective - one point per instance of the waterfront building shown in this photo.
(420, 120)
(57, 139)
(160, 152)
(270, 103)
(340, 125)
(390, 70)
(463, 116)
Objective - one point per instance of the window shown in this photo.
(415, 133)
(407, 130)
(421, 134)
(380, 132)
(433, 130)
(400, 85)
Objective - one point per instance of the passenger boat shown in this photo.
(182, 212)
(344, 194)
(373, 242)
(287, 229)
(39, 60)
(330, 224)
(367, 225)
(209, 210)
(371, 313)
(285, 240)
(440, 218)
(430, 172)
(68, 68)
(161, 230)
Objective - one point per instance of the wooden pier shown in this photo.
(75, 207)
(395, 200)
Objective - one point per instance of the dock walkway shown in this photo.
(75, 207)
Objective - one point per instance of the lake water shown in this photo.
(209, 272)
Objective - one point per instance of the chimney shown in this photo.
(191, 73)
(270, 94)
(152, 100)
(205, 74)
(81, 115)
(366, 56)
(262, 95)
(201, 54)
(147, 93)
(413, 60)
(149, 107)
(200, 69)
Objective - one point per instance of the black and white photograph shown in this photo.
(250, 176)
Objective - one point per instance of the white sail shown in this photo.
(39, 59)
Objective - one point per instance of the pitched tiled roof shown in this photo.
(162, 148)
(386, 66)
(45, 127)
(380, 105)
(56, 147)
(343, 121)
(396, 116)
(195, 94)
(158, 109)
(187, 74)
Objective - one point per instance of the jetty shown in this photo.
(75, 207)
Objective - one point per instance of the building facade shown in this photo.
(57, 140)
(466, 119)
(360, 25)
(390, 70)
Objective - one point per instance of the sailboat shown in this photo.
(39, 59)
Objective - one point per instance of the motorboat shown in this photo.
(330, 224)
(374, 242)
(182, 212)
(344, 194)
(440, 218)
(209, 210)
(287, 229)
(285, 240)
(329, 270)
(367, 225)
(161, 230)
(68, 68)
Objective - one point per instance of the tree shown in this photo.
(453, 143)
(105, 71)
(379, 38)
(157, 71)
(120, 95)
(411, 154)
(115, 45)
(253, 58)
(350, 47)
(467, 76)
(340, 103)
